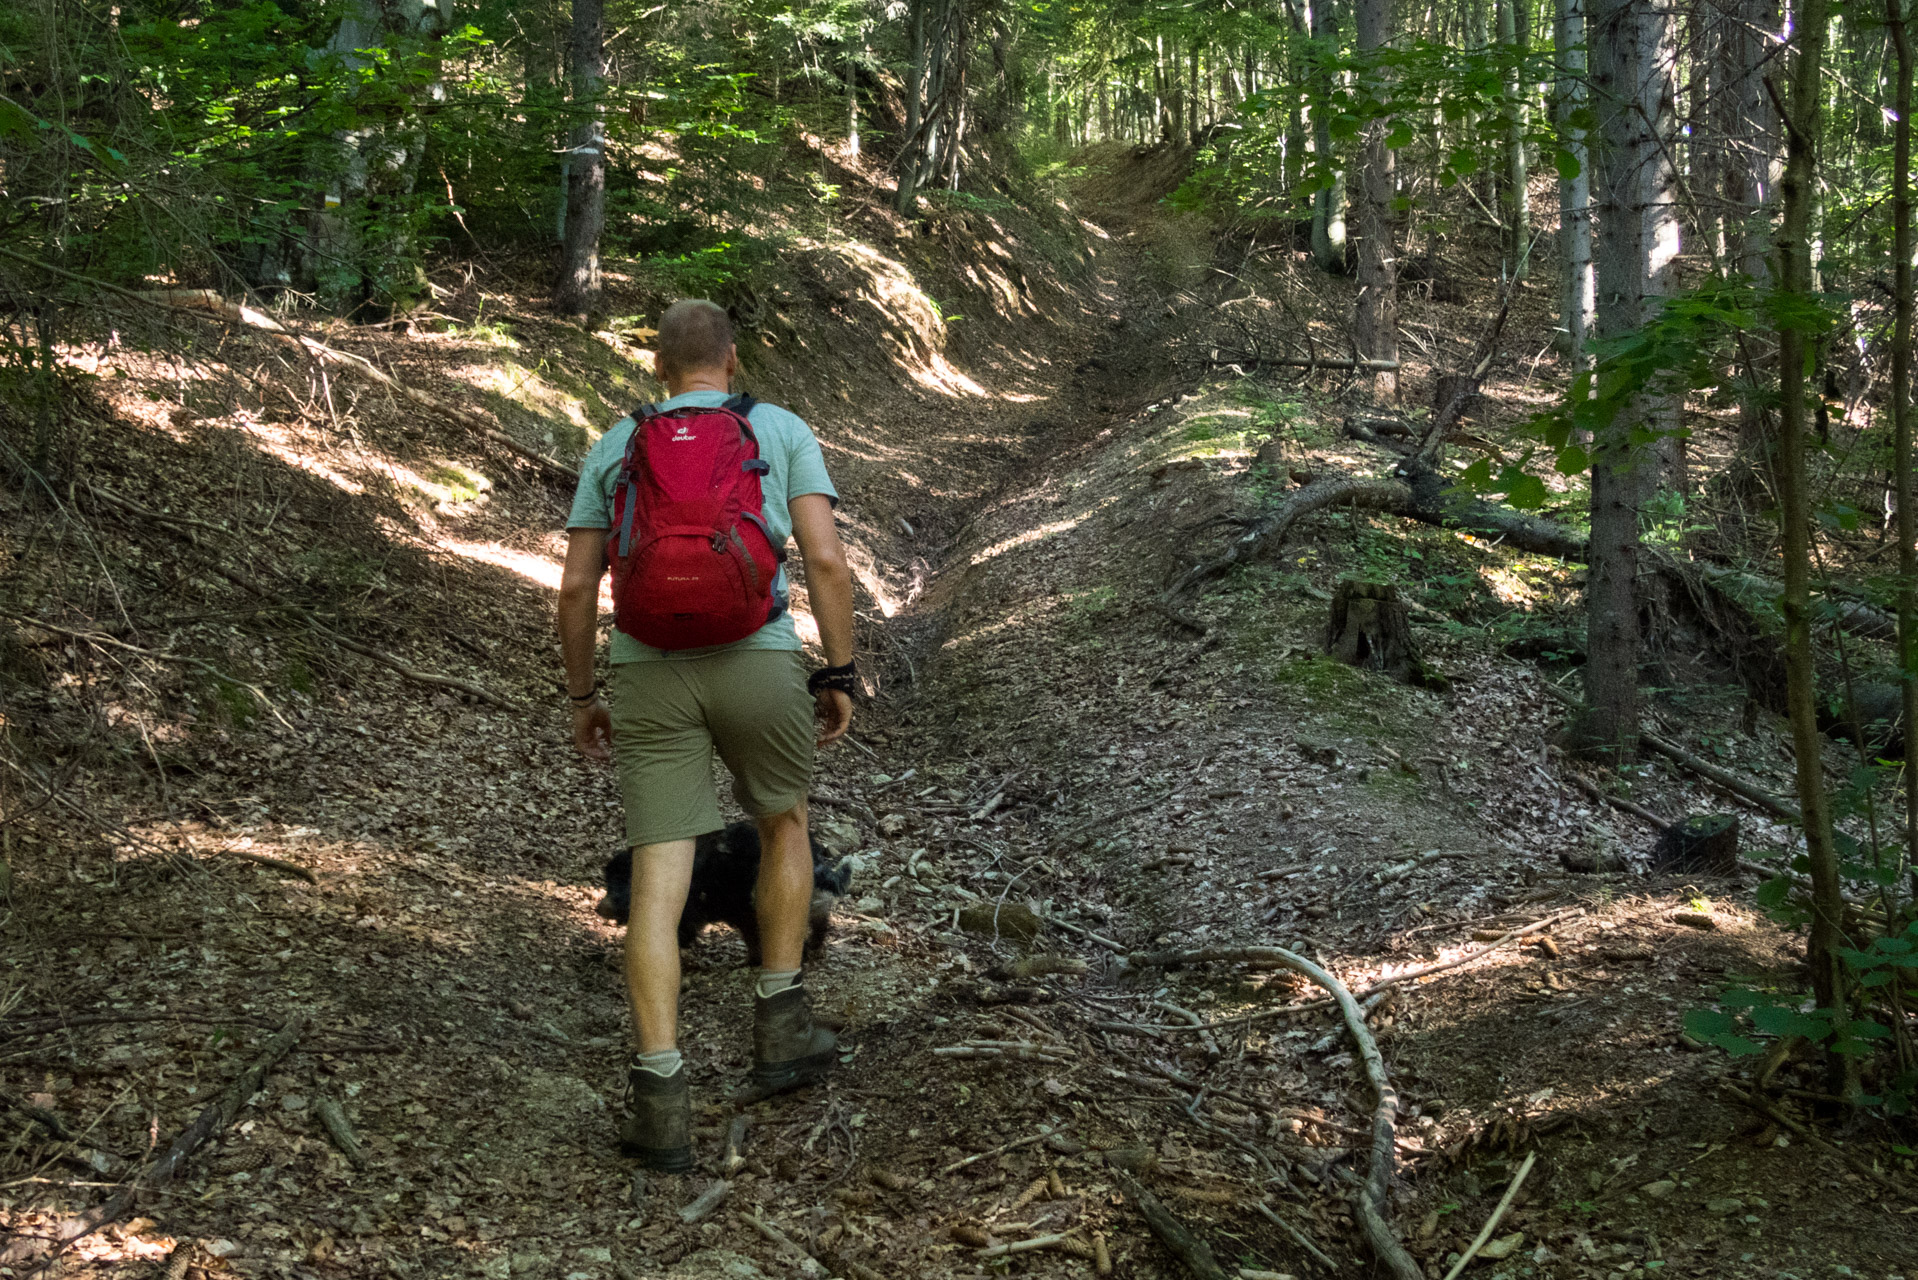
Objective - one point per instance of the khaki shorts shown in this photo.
(749, 705)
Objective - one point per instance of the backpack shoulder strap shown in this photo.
(741, 404)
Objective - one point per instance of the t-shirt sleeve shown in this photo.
(592, 499)
(806, 466)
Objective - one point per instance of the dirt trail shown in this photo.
(1041, 742)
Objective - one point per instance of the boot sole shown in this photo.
(780, 1077)
(659, 1159)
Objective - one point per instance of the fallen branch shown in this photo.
(1085, 933)
(1186, 1247)
(215, 1119)
(1860, 1167)
(416, 674)
(1024, 1053)
(1724, 778)
(705, 1203)
(340, 1129)
(1298, 1237)
(160, 655)
(1703, 768)
(1322, 492)
(1371, 1203)
(1025, 1246)
(1632, 807)
(1498, 1215)
(805, 1262)
(1045, 1131)
(293, 869)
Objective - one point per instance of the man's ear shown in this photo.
(732, 360)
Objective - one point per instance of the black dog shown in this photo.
(725, 870)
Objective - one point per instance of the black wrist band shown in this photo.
(581, 699)
(845, 679)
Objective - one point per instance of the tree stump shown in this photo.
(1369, 628)
(1704, 842)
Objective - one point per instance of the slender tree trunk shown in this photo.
(1608, 726)
(578, 291)
(906, 164)
(1328, 205)
(1377, 322)
(1574, 193)
(1796, 194)
(1517, 211)
(1901, 251)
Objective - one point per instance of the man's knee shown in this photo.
(783, 824)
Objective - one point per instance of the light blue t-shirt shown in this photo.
(786, 444)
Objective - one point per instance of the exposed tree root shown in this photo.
(1371, 1205)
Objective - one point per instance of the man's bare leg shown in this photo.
(662, 874)
(789, 1048)
(784, 897)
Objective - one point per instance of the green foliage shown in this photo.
(1746, 1016)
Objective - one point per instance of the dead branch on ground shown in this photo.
(1186, 1247)
(214, 1120)
(1372, 1204)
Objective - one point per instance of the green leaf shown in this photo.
(1527, 492)
(1708, 1024)
(1568, 165)
(1573, 460)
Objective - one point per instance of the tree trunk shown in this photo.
(1901, 407)
(1748, 124)
(1574, 193)
(907, 161)
(1801, 690)
(1377, 322)
(1608, 726)
(578, 291)
(1517, 211)
(1328, 204)
(360, 249)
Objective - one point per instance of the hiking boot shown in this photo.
(659, 1120)
(789, 1048)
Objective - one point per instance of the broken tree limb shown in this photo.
(281, 865)
(1298, 1237)
(1045, 1131)
(1703, 768)
(1861, 1167)
(215, 1119)
(1498, 1216)
(413, 673)
(340, 1129)
(1186, 1247)
(1322, 492)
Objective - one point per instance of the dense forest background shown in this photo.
(1548, 365)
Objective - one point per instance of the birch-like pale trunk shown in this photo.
(1376, 327)
(1574, 193)
(1328, 203)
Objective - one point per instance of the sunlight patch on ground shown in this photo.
(1035, 534)
(524, 387)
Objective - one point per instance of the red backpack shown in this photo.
(693, 559)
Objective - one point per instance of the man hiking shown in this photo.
(691, 502)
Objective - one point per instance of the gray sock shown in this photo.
(664, 1063)
(774, 981)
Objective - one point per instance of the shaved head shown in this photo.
(693, 335)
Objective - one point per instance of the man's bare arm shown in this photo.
(579, 636)
(829, 588)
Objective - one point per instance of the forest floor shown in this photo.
(1043, 750)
